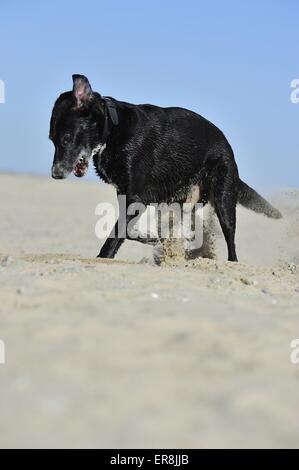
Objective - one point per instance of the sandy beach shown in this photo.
(122, 353)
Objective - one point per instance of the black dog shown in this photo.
(151, 155)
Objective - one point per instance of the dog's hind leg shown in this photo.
(146, 239)
(144, 231)
(207, 249)
(224, 197)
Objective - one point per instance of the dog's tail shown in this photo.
(250, 199)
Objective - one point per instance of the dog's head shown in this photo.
(76, 128)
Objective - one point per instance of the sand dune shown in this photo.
(123, 353)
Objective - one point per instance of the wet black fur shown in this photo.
(152, 155)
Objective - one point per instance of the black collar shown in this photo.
(110, 114)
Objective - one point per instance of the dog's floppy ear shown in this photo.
(82, 90)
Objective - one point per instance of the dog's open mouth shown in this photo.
(81, 167)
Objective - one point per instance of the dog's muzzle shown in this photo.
(58, 172)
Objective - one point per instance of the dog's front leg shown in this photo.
(119, 233)
(115, 239)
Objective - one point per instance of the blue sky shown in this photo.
(231, 61)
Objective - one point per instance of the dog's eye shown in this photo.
(66, 140)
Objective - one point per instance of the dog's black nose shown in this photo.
(58, 173)
(57, 177)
